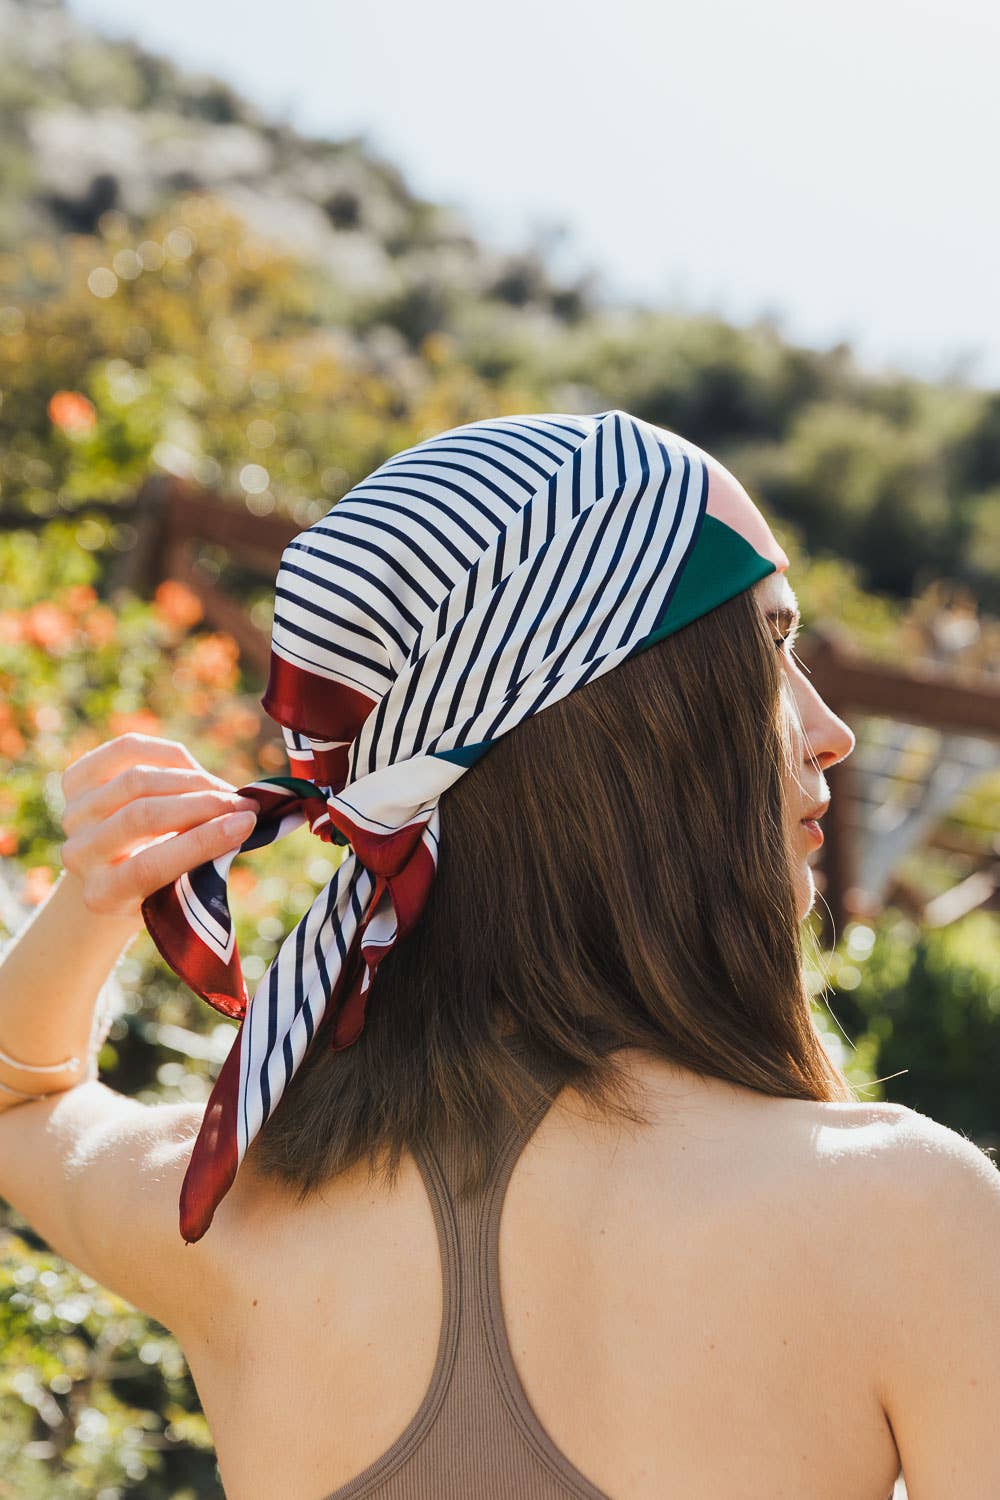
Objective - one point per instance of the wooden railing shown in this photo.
(918, 694)
(172, 520)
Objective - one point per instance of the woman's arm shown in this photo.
(50, 979)
(139, 811)
(95, 1173)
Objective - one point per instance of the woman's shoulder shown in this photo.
(872, 1191)
(727, 1150)
(891, 1144)
(907, 1159)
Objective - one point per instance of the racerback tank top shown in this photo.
(475, 1433)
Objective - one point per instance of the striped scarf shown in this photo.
(466, 584)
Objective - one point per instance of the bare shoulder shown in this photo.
(919, 1212)
(895, 1146)
(860, 1174)
(935, 1183)
(893, 1158)
(908, 1223)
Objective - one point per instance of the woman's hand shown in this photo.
(140, 811)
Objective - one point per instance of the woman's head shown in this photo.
(626, 869)
(527, 651)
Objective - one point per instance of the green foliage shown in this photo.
(207, 353)
(188, 345)
(925, 1005)
(716, 384)
(95, 1399)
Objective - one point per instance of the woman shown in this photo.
(714, 1273)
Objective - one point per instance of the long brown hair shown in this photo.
(614, 872)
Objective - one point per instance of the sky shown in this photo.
(831, 167)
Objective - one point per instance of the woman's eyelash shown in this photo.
(787, 640)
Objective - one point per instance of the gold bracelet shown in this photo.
(20, 1067)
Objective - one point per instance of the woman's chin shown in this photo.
(805, 890)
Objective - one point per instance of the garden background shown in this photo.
(151, 324)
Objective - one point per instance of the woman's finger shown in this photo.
(134, 782)
(104, 761)
(141, 821)
(123, 887)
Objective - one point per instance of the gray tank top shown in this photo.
(475, 1433)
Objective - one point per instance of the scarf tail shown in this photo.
(216, 1156)
(205, 970)
(397, 902)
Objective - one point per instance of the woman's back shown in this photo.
(688, 1308)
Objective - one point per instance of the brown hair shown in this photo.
(614, 872)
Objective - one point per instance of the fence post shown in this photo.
(140, 569)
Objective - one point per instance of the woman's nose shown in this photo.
(828, 738)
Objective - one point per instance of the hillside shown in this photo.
(103, 141)
(90, 124)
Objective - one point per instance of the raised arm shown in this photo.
(95, 1173)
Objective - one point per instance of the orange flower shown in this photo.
(78, 597)
(86, 738)
(11, 739)
(48, 626)
(141, 721)
(39, 881)
(8, 841)
(239, 770)
(243, 721)
(234, 724)
(198, 702)
(272, 758)
(100, 626)
(242, 881)
(11, 627)
(177, 605)
(11, 742)
(213, 660)
(72, 412)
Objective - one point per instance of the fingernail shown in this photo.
(248, 803)
(238, 825)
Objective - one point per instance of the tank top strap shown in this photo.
(447, 1158)
(444, 1171)
(479, 1373)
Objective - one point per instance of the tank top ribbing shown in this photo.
(475, 1433)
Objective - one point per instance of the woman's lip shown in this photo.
(813, 829)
